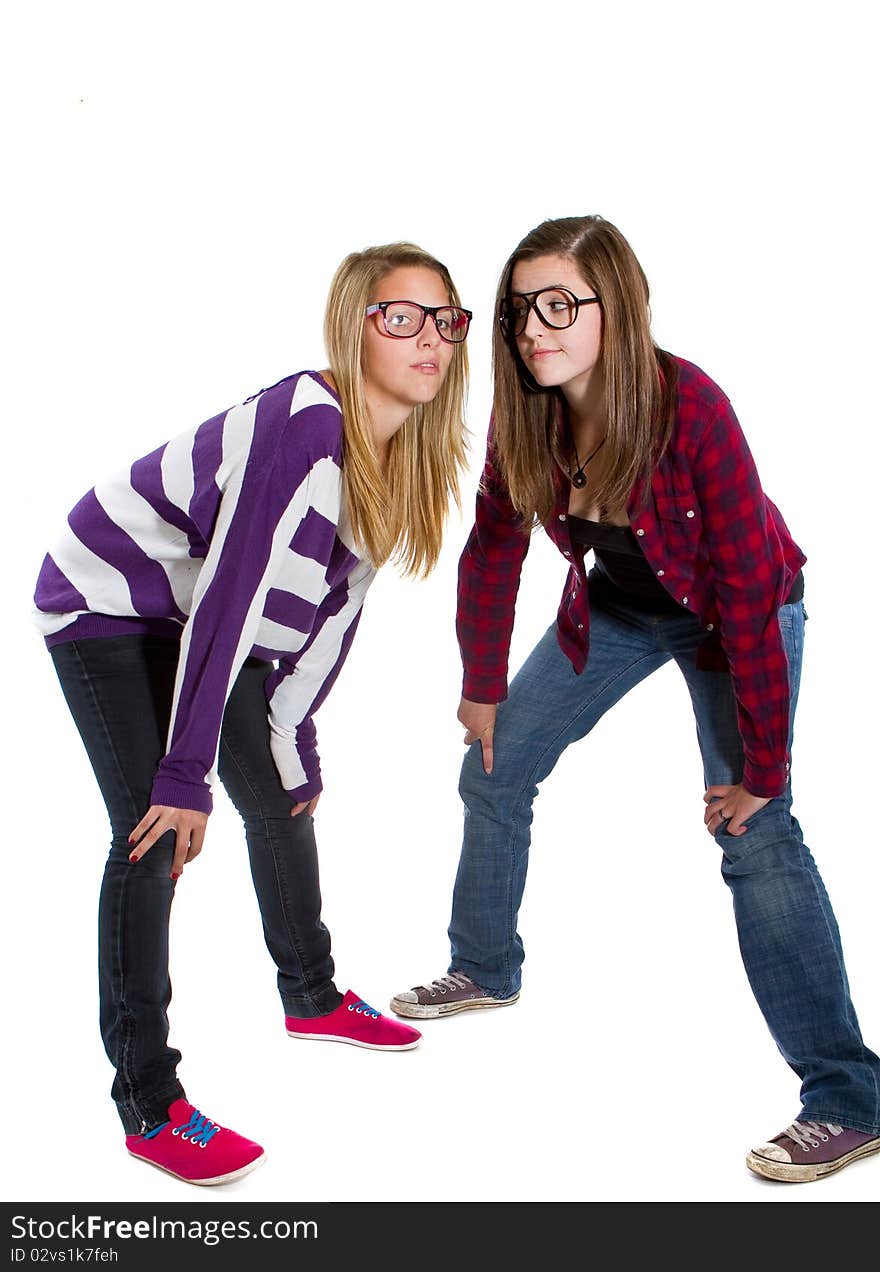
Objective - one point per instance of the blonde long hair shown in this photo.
(399, 515)
(640, 378)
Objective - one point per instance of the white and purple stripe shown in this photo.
(231, 536)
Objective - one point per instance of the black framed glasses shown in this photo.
(405, 318)
(556, 307)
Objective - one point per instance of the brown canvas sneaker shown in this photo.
(810, 1150)
(445, 996)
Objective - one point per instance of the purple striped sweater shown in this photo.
(232, 537)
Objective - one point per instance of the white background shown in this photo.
(184, 180)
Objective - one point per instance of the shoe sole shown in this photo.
(790, 1173)
(428, 1011)
(217, 1179)
(354, 1042)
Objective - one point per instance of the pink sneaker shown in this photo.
(195, 1149)
(356, 1022)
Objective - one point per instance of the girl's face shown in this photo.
(406, 372)
(557, 357)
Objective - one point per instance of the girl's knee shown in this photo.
(155, 861)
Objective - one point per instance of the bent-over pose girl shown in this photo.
(198, 608)
(617, 447)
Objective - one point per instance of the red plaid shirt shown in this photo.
(713, 538)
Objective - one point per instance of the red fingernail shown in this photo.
(175, 876)
(133, 857)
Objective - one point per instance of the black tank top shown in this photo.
(622, 564)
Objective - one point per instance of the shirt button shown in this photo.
(574, 594)
(640, 533)
(580, 627)
(710, 627)
(689, 513)
(566, 552)
(660, 574)
(684, 600)
(562, 516)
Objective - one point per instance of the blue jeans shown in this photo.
(119, 690)
(787, 931)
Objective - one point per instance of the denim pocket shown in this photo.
(788, 612)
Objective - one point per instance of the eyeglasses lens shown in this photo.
(402, 319)
(556, 308)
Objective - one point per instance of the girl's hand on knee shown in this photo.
(478, 719)
(733, 802)
(189, 834)
(309, 805)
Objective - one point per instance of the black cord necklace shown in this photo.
(578, 478)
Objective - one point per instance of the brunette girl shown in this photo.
(615, 446)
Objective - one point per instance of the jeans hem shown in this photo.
(319, 1005)
(153, 1110)
(839, 1119)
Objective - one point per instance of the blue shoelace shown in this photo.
(365, 1008)
(198, 1130)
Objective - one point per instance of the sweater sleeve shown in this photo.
(265, 495)
(299, 686)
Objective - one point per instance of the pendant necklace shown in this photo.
(578, 478)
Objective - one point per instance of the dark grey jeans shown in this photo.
(119, 690)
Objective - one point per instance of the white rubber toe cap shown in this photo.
(775, 1152)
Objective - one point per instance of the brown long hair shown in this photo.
(400, 515)
(640, 378)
